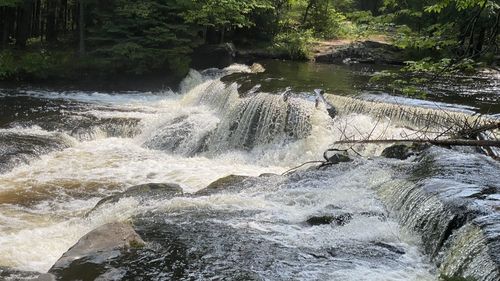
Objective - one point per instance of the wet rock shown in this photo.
(404, 151)
(149, 190)
(268, 175)
(222, 184)
(104, 243)
(398, 151)
(18, 148)
(391, 248)
(341, 219)
(9, 274)
(362, 52)
(338, 158)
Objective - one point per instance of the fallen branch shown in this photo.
(456, 142)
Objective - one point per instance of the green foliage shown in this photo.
(34, 65)
(8, 65)
(228, 13)
(10, 3)
(139, 37)
(296, 43)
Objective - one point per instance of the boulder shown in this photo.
(149, 190)
(404, 151)
(100, 245)
(339, 219)
(222, 184)
(398, 151)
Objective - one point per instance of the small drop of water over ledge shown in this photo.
(209, 131)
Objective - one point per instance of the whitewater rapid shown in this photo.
(184, 138)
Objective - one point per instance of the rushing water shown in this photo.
(61, 152)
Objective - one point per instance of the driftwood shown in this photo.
(456, 142)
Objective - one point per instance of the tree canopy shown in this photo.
(138, 37)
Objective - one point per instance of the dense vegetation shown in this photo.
(43, 39)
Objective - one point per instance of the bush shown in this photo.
(8, 65)
(295, 43)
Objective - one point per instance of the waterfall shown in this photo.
(448, 198)
(237, 122)
(407, 115)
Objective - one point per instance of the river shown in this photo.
(63, 151)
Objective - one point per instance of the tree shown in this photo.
(223, 14)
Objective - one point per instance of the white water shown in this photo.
(42, 203)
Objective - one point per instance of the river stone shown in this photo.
(222, 184)
(341, 219)
(96, 247)
(398, 151)
(257, 68)
(148, 190)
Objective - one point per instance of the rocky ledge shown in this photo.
(369, 52)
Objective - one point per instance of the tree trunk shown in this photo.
(23, 24)
(51, 32)
(223, 30)
(81, 28)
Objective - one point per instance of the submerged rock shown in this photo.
(149, 191)
(83, 260)
(222, 184)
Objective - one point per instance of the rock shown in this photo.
(101, 244)
(46, 277)
(398, 151)
(362, 52)
(341, 219)
(149, 190)
(257, 68)
(222, 184)
(9, 274)
(338, 158)
(404, 151)
(255, 54)
(267, 175)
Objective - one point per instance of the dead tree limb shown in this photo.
(455, 142)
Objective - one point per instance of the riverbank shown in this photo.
(67, 71)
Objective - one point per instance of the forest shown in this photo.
(65, 39)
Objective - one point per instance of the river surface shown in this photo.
(63, 151)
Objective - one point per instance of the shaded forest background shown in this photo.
(65, 39)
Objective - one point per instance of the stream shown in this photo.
(61, 152)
